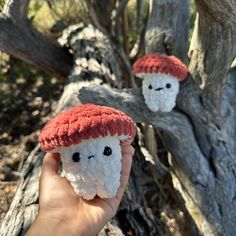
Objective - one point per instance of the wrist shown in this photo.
(50, 226)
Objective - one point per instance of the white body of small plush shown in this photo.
(93, 166)
(160, 91)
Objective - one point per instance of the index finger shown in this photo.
(125, 172)
(127, 142)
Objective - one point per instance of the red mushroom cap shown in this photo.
(156, 63)
(84, 122)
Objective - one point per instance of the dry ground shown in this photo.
(27, 96)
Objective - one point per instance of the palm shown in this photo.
(57, 194)
(58, 199)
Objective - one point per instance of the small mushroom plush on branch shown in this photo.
(88, 139)
(161, 76)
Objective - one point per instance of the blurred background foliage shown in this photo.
(50, 16)
(2, 3)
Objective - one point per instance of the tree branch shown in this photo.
(27, 44)
(175, 125)
(213, 48)
(117, 12)
(19, 39)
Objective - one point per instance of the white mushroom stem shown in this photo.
(93, 167)
(160, 91)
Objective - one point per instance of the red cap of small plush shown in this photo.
(156, 63)
(84, 122)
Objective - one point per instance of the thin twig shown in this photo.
(117, 12)
(141, 27)
(3, 183)
(125, 30)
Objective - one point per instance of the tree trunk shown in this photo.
(200, 133)
(94, 63)
(167, 29)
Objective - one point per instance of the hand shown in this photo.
(62, 212)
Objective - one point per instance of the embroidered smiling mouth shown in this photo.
(158, 89)
(89, 157)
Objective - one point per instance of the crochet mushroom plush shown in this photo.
(88, 139)
(161, 76)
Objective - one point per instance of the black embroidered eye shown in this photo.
(107, 151)
(150, 86)
(168, 85)
(76, 157)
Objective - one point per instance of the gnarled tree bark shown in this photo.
(213, 49)
(167, 28)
